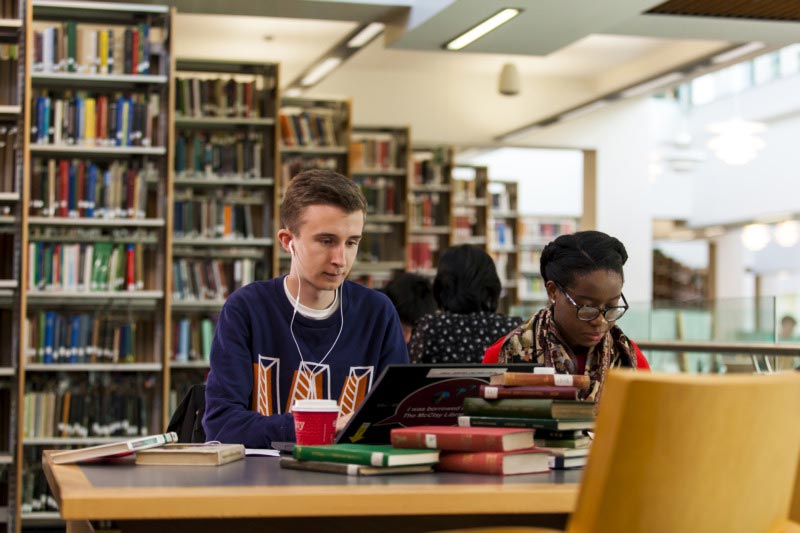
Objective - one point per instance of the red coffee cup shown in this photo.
(315, 421)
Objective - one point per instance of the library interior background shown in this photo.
(670, 127)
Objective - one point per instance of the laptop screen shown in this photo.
(418, 395)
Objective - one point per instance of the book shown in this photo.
(352, 469)
(114, 449)
(191, 454)
(365, 454)
(493, 392)
(563, 463)
(529, 407)
(568, 452)
(467, 439)
(580, 442)
(553, 380)
(528, 461)
(536, 423)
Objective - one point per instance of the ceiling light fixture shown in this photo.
(738, 52)
(490, 24)
(293, 92)
(755, 237)
(320, 71)
(736, 141)
(650, 85)
(787, 233)
(369, 32)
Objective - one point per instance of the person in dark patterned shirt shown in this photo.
(467, 290)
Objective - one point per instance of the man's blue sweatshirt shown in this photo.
(254, 376)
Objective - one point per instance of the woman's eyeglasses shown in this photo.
(589, 312)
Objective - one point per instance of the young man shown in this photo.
(310, 334)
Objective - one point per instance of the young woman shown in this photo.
(467, 290)
(576, 333)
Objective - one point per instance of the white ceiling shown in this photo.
(567, 51)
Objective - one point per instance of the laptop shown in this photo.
(418, 395)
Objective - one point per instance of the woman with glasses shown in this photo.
(577, 332)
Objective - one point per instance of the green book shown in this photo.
(514, 422)
(207, 334)
(366, 454)
(529, 408)
(72, 40)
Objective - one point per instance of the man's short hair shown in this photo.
(319, 187)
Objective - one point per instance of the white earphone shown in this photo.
(291, 247)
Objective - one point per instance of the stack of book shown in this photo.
(476, 450)
(360, 459)
(546, 403)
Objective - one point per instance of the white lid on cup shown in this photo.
(315, 405)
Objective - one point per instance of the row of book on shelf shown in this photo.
(8, 145)
(78, 188)
(85, 49)
(308, 127)
(217, 97)
(94, 119)
(85, 267)
(291, 166)
(9, 65)
(521, 423)
(380, 193)
(375, 151)
(191, 339)
(218, 217)
(427, 209)
(421, 249)
(200, 154)
(429, 168)
(79, 338)
(214, 280)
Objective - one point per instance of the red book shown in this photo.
(63, 196)
(80, 193)
(529, 461)
(467, 439)
(135, 51)
(492, 392)
(130, 278)
(526, 378)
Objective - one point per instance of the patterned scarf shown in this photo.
(538, 341)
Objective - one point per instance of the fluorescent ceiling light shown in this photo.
(483, 28)
(366, 35)
(745, 49)
(655, 83)
(320, 71)
(584, 110)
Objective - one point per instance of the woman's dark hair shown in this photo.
(466, 281)
(412, 296)
(569, 256)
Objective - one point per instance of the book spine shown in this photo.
(493, 392)
(523, 378)
(508, 422)
(476, 463)
(361, 457)
(516, 407)
(447, 441)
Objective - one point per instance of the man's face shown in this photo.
(325, 245)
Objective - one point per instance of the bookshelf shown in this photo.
(224, 201)
(96, 219)
(533, 234)
(502, 240)
(429, 207)
(314, 133)
(380, 165)
(13, 23)
(469, 216)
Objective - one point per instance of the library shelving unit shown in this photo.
(429, 207)
(502, 240)
(224, 201)
(533, 234)
(13, 24)
(470, 206)
(94, 223)
(314, 133)
(380, 165)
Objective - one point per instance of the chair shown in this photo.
(187, 419)
(680, 453)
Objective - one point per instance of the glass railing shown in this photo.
(724, 335)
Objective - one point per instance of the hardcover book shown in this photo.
(529, 461)
(191, 454)
(466, 439)
(535, 423)
(493, 392)
(352, 469)
(114, 449)
(524, 378)
(529, 407)
(563, 463)
(365, 454)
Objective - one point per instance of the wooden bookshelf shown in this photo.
(533, 234)
(313, 133)
(95, 223)
(429, 207)
(503, 240)
(225, 203)
(380, 165)
(469, 215)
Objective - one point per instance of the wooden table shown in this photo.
(256, 494)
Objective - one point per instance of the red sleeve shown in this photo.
(492, 353)
(641, 361)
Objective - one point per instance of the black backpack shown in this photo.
(187, 420)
